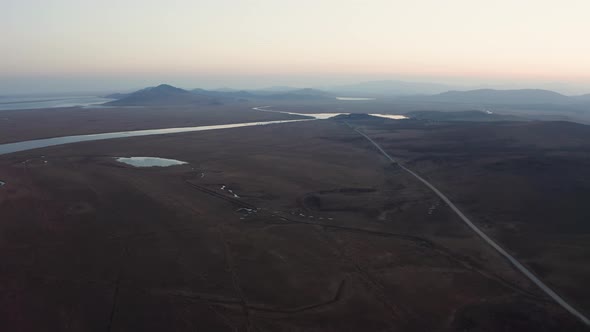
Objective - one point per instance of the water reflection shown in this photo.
(390, 116)
(42, 143)
(149, 161)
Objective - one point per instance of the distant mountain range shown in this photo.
(165, 94)
(390, 88)
(168, 95)
(397, 88)
(276, 89)
(499, 97)
(300, 94)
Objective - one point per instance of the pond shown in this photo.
(149, 161)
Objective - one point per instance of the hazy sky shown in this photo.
(83, 44)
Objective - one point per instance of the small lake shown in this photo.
(324, 116)
(150, 161)
(317, 116)
(390, 116)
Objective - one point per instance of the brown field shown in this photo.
(324, 236)
(526, 184)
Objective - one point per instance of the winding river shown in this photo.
(46, 142)
(42, 143)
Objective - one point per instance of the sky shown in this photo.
(109, 45)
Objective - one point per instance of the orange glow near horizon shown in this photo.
(471, 39)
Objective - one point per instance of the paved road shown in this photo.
(486, 238)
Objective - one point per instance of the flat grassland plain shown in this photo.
(294, 227)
